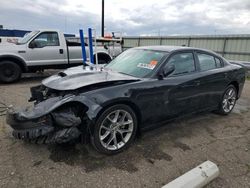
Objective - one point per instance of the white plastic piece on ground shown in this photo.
(197, 177)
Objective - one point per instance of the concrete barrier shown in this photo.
(197, 177)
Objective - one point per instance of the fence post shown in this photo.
(224, 47)
(189, 39)
(139, 41)
(161, 41)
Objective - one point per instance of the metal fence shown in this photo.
(232, 47)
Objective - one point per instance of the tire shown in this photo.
(9, 71)
(101, 62)
(228, 100)
(117, 122)
(102, 59)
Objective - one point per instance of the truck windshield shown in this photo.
(27, 37)
(136, 62)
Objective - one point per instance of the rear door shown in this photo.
(213, 79)
(46, 50)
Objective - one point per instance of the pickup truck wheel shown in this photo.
(9, 71)
(102, 61)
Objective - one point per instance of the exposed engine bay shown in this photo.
(47, 122)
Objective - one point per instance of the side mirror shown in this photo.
(33, 44)
(106, 47)
(167, 70)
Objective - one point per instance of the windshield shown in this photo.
(136, 62)
(27, 37)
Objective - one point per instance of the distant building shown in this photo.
(12, 33)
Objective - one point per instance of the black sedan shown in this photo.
(140, 88)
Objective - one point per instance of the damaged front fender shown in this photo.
(47, 122)
(47, 106)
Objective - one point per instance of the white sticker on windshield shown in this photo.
(146, 66)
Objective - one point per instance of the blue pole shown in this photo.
(84, 58)
(91, 55)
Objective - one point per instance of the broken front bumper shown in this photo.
(29, 129)
(54, 120)
(59, 126)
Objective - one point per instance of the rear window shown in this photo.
(218, 62)
(207, 62)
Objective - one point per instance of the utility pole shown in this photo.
(102, 18)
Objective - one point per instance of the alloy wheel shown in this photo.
(116, 129)
(229, 100)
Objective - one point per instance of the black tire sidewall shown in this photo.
(102, 62)
(95, 138)
(15, 67)
(221, 110)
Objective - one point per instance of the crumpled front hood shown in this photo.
(77, 77)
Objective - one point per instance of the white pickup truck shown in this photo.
(46, 49)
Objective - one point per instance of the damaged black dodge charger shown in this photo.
(140, 88)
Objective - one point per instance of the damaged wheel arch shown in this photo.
(115, 129)
(122, 101)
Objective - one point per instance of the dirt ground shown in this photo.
(155, 159)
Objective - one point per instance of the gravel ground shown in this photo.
(156, 158)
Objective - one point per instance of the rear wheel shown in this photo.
(9, 71)
(115, 129)
(102, 58)
(228, 100)
(101, 62)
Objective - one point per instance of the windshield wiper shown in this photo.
(125, 73)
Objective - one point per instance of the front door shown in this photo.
(183, 95)
(175, 95)
(46, 50)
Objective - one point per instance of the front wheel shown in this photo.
(115, 129)
(228, 100)
(9, 71)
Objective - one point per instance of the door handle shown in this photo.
(225, 74)
(193, 84)
(197, 83)
(61, 51)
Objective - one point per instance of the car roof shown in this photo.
(171, 48)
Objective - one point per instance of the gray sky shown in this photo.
(142, 17)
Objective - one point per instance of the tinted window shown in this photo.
(218, 63)
(207, 62)
(47, 39)
(183, 62)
